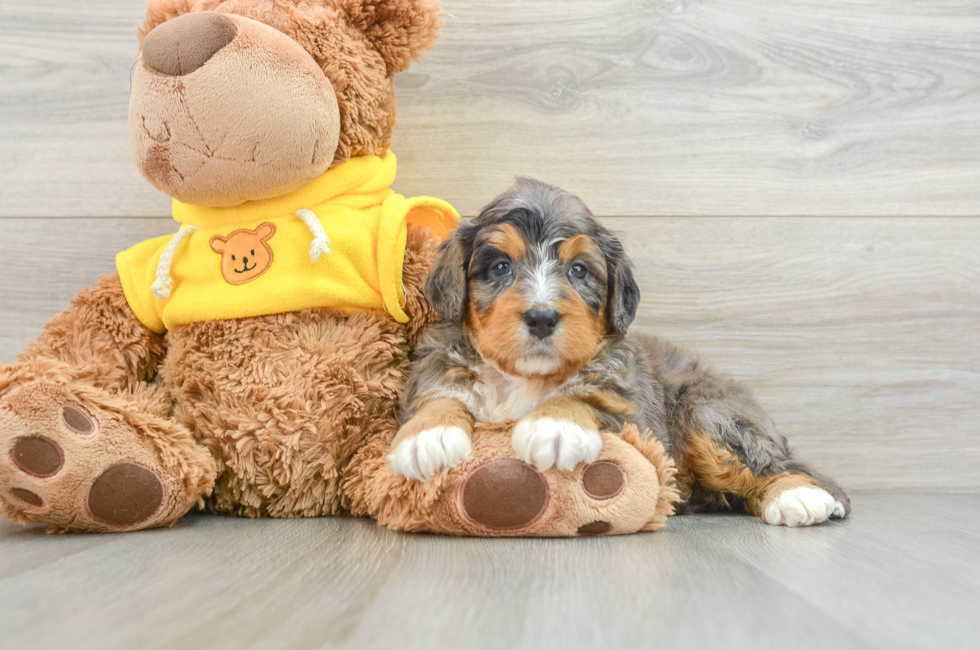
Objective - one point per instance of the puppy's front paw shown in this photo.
(802, 506)
(548, 443)
(420, 457)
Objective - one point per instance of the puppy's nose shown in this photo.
(185, 43)
(542, 323)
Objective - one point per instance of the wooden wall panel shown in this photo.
(858, 334)
(659, 107)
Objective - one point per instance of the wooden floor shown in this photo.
(903, 572)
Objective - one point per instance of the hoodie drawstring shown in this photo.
(162, 285)
(321, 243)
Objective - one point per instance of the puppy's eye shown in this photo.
(578, 271)
(500, 269)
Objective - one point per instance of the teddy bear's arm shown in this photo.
(100, 339)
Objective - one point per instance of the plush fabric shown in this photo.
(645, 496)
(366, 225)
(124, 428)
(358, 46)
(109, 425)
(202, 140)
(284, 401)
(254, 417)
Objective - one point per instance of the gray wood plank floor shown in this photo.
(904, 572)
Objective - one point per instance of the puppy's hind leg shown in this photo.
(728, 447)
(792, 497)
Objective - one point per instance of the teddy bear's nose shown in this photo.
(185, 43)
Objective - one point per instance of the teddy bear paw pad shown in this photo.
(125, 494)
(504, 494)
(595, 528)
(603, 480)
(38, 456)
(27, 497)
(77, 420)
(71, 465)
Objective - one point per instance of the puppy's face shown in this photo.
(535, 281)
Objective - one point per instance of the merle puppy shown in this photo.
(536, 299)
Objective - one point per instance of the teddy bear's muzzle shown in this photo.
(182, 45)
(225, 109)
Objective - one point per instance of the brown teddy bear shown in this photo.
(253, 361)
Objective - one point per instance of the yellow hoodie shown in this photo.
(337, 242)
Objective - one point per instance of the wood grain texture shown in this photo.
(859, 335)
(659, 107)
(901, 573)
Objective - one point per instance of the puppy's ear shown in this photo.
(445, 286)
(624, 293)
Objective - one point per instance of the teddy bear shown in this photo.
(251, 363)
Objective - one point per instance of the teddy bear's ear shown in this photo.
(218, 244)
(400, 30)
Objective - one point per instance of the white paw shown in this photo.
(551, 443)
(839, 511)
(419, 458)
(802, 506)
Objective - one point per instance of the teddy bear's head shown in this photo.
(239, 100)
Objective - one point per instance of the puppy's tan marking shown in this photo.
(436, 413)
(507, 240)
(498, 330)
(580, 245)
(719, 469)
(578, 336)
(567, 409)
(610, 402)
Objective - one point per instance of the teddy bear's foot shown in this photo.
(507, 497)
(629, 488)
(618, 493)
(77, 459)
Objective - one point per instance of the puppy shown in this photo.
(536, 298)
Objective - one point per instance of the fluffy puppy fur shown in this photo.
(537, 298)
